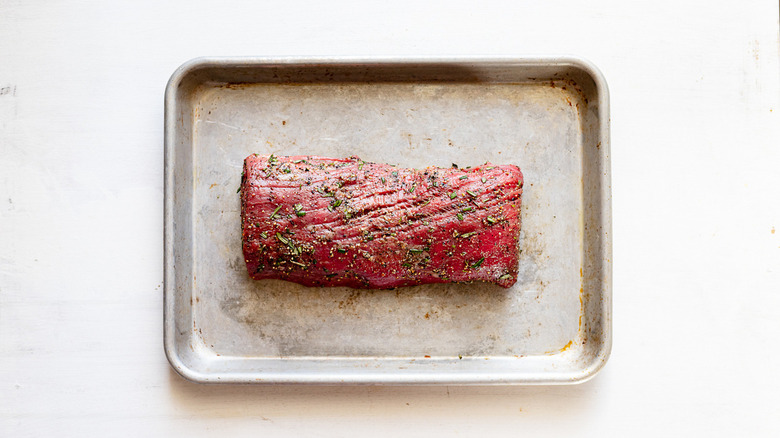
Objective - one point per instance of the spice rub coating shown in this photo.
(346, 222)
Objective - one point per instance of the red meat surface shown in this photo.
(346, 222)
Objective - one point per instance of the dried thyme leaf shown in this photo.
(282, 238)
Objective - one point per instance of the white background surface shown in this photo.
(695, 94)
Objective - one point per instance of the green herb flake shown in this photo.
(360, 166)
(467, 209)
(459, 216)
(478, 263)
(484, 180)
(472, 194)
(383, 180)
(460, 356)
(453, 195)
(342, 250)
(272, 159)
(275, 211)
(287, 170)
(330, 208)
(324, 192)
(282, 238)
(263, 235)
(336, 203)
(297, 207)
(412, 189)
(239, 189)
(467, 235)
(395, 174)
(297, 263)
(505, 277)
(300, 213)
(464, 177)
(299, 161)
(491, 220)
(416, 251)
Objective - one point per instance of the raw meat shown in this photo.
(346, 222)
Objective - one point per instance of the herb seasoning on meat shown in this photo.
(349, 222)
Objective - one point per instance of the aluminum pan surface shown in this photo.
(551, 327)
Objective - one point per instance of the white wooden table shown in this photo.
(695, 90)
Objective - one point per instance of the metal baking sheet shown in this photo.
(550, 116)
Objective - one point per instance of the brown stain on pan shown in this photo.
(562, 349)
